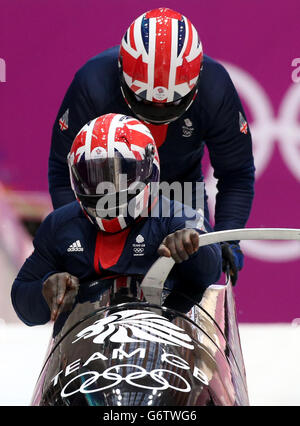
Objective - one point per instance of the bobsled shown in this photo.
(115, 350)
(119, 346)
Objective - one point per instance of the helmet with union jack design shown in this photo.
(160, 62)
(114, 171)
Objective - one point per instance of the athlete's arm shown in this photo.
(200, 266)
(229, 144)
(27, 290)
(76, 110)
(196, 268)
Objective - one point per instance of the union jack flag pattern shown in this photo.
(161, 56)
(243, 124)
(105, 135)
(64, 121)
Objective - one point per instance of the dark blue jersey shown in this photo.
(215, 118)
(68, 242)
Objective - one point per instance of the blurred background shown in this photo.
(42, 45)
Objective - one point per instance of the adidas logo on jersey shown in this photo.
(76, 246)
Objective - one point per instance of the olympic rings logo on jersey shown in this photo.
(138, 250)
(267, 130)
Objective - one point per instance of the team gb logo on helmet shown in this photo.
(143, 325)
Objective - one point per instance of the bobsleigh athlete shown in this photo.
(160, 75)
(113, 158)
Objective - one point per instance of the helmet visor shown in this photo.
(97, 177)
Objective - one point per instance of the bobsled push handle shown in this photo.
(153, 282)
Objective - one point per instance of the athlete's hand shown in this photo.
(233, 260)
(180, 245)
(59, 291)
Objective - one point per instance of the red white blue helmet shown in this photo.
(114, 170)
(160, 62)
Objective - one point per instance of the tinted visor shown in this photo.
(154, 112)
(95, 178)
(117, 202)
